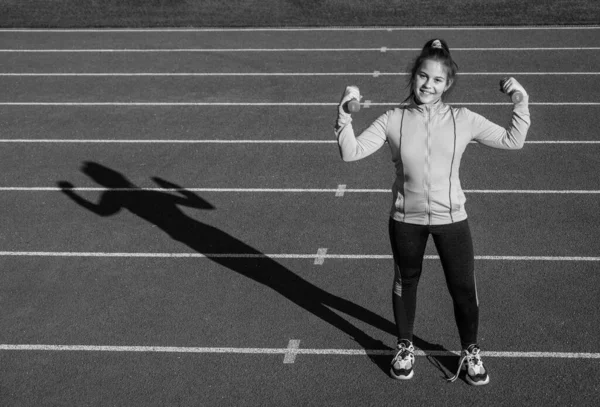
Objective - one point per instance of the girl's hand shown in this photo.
(511, 85)
(351, 92)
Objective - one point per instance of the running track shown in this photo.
(213, 153)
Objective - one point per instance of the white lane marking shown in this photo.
(235, 104)
(537, 258)
(279, 104)
(291, 190)
(532, 191)
(224, 50)
(210, 74)
(491, 258)
(563, 142)
(251, 190)
(374, 74)
(291, 351)
(173, 141)
(319, 258)
(159, 255)
(167, 50)
(282, 351)
(366, 104)
(340, 190)
(318, 29)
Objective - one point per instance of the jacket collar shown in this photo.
(435, 108)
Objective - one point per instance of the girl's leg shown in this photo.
(408, 246)
(455, 247)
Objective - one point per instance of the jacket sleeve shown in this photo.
(354, 148)
(493, 135)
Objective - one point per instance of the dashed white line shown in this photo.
(320, 257)
(291, 351)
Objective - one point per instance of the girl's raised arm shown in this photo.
(354, 148)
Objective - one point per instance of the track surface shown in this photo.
(233, 143)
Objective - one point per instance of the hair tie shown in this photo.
(436, 44)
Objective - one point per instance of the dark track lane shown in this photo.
(142, 380)
(275, 223)
(413, 38)
(293, 62)
(264, 304)
(536, 167)
(549, 123)
(277, 89)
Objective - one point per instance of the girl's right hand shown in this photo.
(351, 92)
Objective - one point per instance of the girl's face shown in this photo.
(430, 82)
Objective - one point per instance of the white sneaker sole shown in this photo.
(480, 383)
(408, 377)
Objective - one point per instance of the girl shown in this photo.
(427, 139)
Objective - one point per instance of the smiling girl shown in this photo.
(427, 138)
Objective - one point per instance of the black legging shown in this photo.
(455, 248)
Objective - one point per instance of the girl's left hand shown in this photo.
(511, 85)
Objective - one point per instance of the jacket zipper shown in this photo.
(427, 185)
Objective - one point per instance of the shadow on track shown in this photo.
(161, 209)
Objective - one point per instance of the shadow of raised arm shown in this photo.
(105, 207)
(192, 200)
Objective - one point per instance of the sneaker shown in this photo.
(471, 363)
(403, 362)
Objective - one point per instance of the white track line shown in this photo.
(318, 256)
(231, 141)
(219, 50)
(251, 74)
(270, 104)
(283, 351)
(301, 29)
(298, 190)
(563, 142)
(178, 141)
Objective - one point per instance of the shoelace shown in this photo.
(403, 353)
(469, 357)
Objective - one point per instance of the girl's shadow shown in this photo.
(161, 208)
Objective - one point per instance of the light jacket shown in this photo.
(427, 143)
